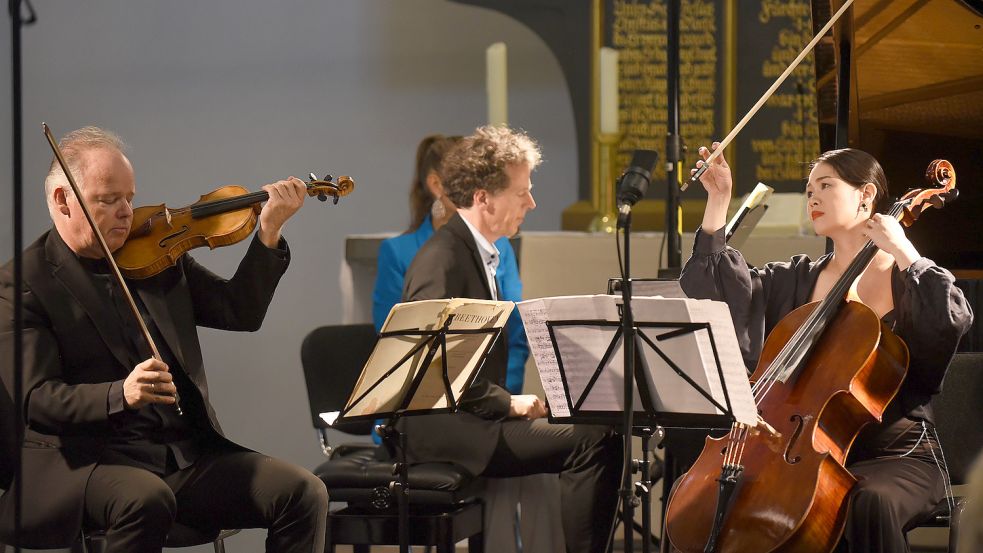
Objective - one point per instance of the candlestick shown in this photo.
(608, 63)
(497, 84)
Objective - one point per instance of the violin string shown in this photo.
(251, 197)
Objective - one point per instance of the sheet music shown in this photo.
(533, 314)
(582, 346)
(534, 319)
(464, 353)
(693, 353)
(664, 288)
(729, 350)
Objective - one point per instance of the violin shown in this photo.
(827, 369)
(160, 235)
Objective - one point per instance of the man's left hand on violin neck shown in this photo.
(286, 197)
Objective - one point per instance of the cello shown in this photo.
(827, 369)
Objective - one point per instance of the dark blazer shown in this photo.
(74, 350)
(449, 266)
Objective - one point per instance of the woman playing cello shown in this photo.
(897, 462)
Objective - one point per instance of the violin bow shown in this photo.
(768, 94)
(105, 251)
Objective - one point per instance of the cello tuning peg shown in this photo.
(937, 201)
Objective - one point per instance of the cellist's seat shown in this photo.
(960, 433)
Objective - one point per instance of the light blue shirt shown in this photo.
(489, 256)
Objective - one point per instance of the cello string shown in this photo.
(817, 320)
(744, 435)
(730, 444)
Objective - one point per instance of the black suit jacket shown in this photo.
(74, 350)
(449, 266)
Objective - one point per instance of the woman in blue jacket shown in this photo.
(429, 210)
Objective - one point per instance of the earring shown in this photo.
(437, 210)
(863, 206)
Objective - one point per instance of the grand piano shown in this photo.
(903, 80)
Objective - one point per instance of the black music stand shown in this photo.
(395, 440)
(649, 417)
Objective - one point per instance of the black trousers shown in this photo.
(890, 493)
(222, 490)
(588, 461)
(898, 481)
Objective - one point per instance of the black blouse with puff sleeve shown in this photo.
(930, 313)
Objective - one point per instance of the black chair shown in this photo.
(973, 290)
(444, 505)
(957, 411)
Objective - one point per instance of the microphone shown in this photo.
(635, 180)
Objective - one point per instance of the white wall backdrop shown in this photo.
(246, 92)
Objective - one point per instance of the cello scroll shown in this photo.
(941, 178)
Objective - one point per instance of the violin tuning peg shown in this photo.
(322, 196)
(313, 176)
(328, 177)
(937, 201)
(335, 198)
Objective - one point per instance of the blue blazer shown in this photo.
(395, 256)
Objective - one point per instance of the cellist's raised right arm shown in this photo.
(719, 183)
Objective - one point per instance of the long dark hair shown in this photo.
(857, 168)
(429, 154)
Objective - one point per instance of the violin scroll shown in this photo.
(941, 178)
(322, 188)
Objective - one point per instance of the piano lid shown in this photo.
(917, 67)
(915, 74)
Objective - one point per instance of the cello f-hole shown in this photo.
(800, 422)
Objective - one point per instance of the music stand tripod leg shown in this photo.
(400, 485)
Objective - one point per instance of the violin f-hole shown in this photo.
(163, 241)
(800, 422)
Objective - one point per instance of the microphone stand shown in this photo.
(674, 143)
(628, 499)
(16, 22)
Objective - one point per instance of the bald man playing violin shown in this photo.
(104, 447)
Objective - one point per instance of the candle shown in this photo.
(497, 84)
(609, 90)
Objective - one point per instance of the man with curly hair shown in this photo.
(496, 434)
